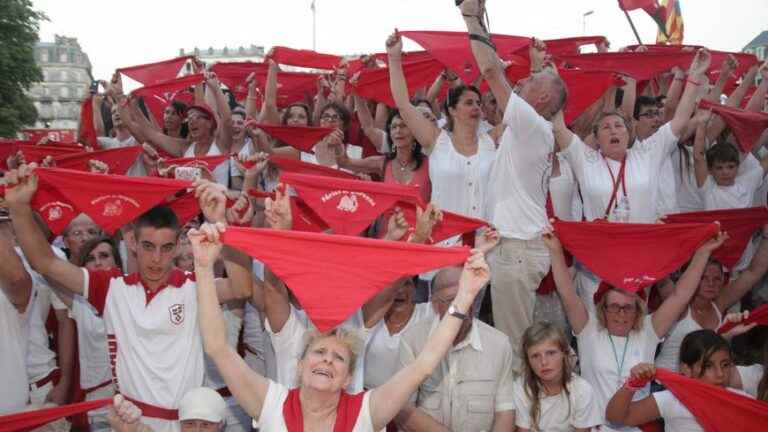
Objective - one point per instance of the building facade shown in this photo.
(66, 82)
(214, 55)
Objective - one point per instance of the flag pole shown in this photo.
(634, 30)
(314, 26)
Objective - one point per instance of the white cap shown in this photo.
(202, 403)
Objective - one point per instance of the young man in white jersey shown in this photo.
(150, 316)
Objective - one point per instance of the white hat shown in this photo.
(202, 403)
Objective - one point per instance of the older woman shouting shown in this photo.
(326, 366)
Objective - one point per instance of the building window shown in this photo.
(63, 57)
(761, 53)
(44, 56)
(64, 92)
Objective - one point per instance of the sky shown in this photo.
(123, 33)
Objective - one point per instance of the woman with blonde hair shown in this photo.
(549, 396)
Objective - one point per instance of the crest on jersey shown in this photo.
(177, 314)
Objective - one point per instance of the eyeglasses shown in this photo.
(195, 116)
(651, 113)
(615, 308)
(330, 117)
(83, 233)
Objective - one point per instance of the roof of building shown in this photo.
(760, 40)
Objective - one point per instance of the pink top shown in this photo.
(420, 178)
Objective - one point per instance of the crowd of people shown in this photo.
(400, 261)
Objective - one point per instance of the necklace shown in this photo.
(619, 365)
(403, 166)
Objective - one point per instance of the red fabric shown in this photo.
(453, 49)
(759, 316)
(110, 200)
(715, 408)
(299, 167)
(348, 206)
(629, 5)
(209, 162)
(55, 210)
(302, 138)
(32, 419)
(452, 224)
(186, 207)
(740, 224)
(747, 126)
(547, 285)
(87, 133)
(639, 65)
(632, 256)
(153, 73)
(304, 218)
(304, 58)
(168, 89)
(346, 411)
(374, 83)
(36, 153)
(119, 160)
(331, 290)
(604, 287)
(291, 86)
(234, 74)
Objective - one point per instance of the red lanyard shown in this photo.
(616, 182)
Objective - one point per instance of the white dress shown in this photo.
(669, 356)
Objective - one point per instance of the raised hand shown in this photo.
(537, 51)
(20, 185)
(739, 329)
(213, 200)
(640, 375)
(206, 243)
(278, 211)
(241, 213)
(551, 241)
(394, 45)
(700, 64)
(715, 242)
(426, 220)
(474, 277)
(397, 226)
(488, 240)
(471, 7)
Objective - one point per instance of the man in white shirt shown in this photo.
(150, 316)
(123, 138)
(519, 177)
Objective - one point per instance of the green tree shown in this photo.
(19, 25)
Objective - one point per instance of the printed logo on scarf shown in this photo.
(55, 210)
(348, 201)
(113, 205)
(177, 314)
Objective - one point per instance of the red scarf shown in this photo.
(119, 160)
(759, 316)
(55, 210)
(747, 126)
(87, 133)
(632, 256)
(234, 74)
(333, 288)
(291, 86)
(153, 73)
(299, 167)
(301, 138)
(639, 65)
(348, 206)
(740, 224)
(452, 224)
(346, 412)
(168, 89)
(304, 218)
(304, 58)
(374, 83)
(28, 420)
(715, 408)
(208, 162)
(186, 207)
(36, 153)
(110, 200)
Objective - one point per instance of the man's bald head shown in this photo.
(545, 91)
(447, 277)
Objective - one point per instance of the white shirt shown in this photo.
(688, 197)
(559, 413)
(669, 355)
(221, 173)
(382, 349)
(91, 344)
(14, 393)
(213, 378)
(353, 152)
(739, 195)
(460, 183)
(666, 191)
(289, 346)
(676, 416)
(564, 192)
(750, 378)
(271, 417)
(520, 176)
(155, 346)
(108, 143)
(643, 167)
(601, 362)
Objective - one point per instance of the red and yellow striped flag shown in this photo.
(673, 24)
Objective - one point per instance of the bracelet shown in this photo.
(482, 39)
(693, 82)
(679, 79)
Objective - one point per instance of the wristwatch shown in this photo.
(454, 311)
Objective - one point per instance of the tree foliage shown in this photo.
(19, 25)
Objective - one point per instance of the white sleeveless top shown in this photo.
(460, 183)
(669, 357)
(13, 352)
(221, 173)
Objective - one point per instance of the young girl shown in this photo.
(704, 355)
(548, 395)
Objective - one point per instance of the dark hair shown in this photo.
(452, 100)
(700, 345)
(722, 152)
(158, 217)
(287, 110)
(239, 110)
(416, 153)
(421, 101)
(341, 110)
(646, 101)
(180, 108)
(91, 244)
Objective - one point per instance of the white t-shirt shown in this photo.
(271, 417)
(643, 166)
(669, 355)
(666, 191)
(14, 393)
(108, 143)
(559, 413)
(750, 378)
(383, 348)
(563, 189)
(353, 152)
(460, 183)
(289, 344)
(601, 361)
(688, 197)
(213, 378)
(91, 344)
(676, 416)
(221, 173)
(739, 195)
(520, 175)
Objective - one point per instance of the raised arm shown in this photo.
(21, 185)
(173, 146)
(220, 106)
(673, 93)
(425, 132)
(747, 279)
(15, 281)
(696, 76)
(575, 310)
(390, 397)
(485, 53)
(699, 154)
(630, 95)
(621, 409)
(373, 133)
(725, 72)
(248, 387)
(563, 135)
(757, 101)
(269, 112)
(277, 307)
(673, 306)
